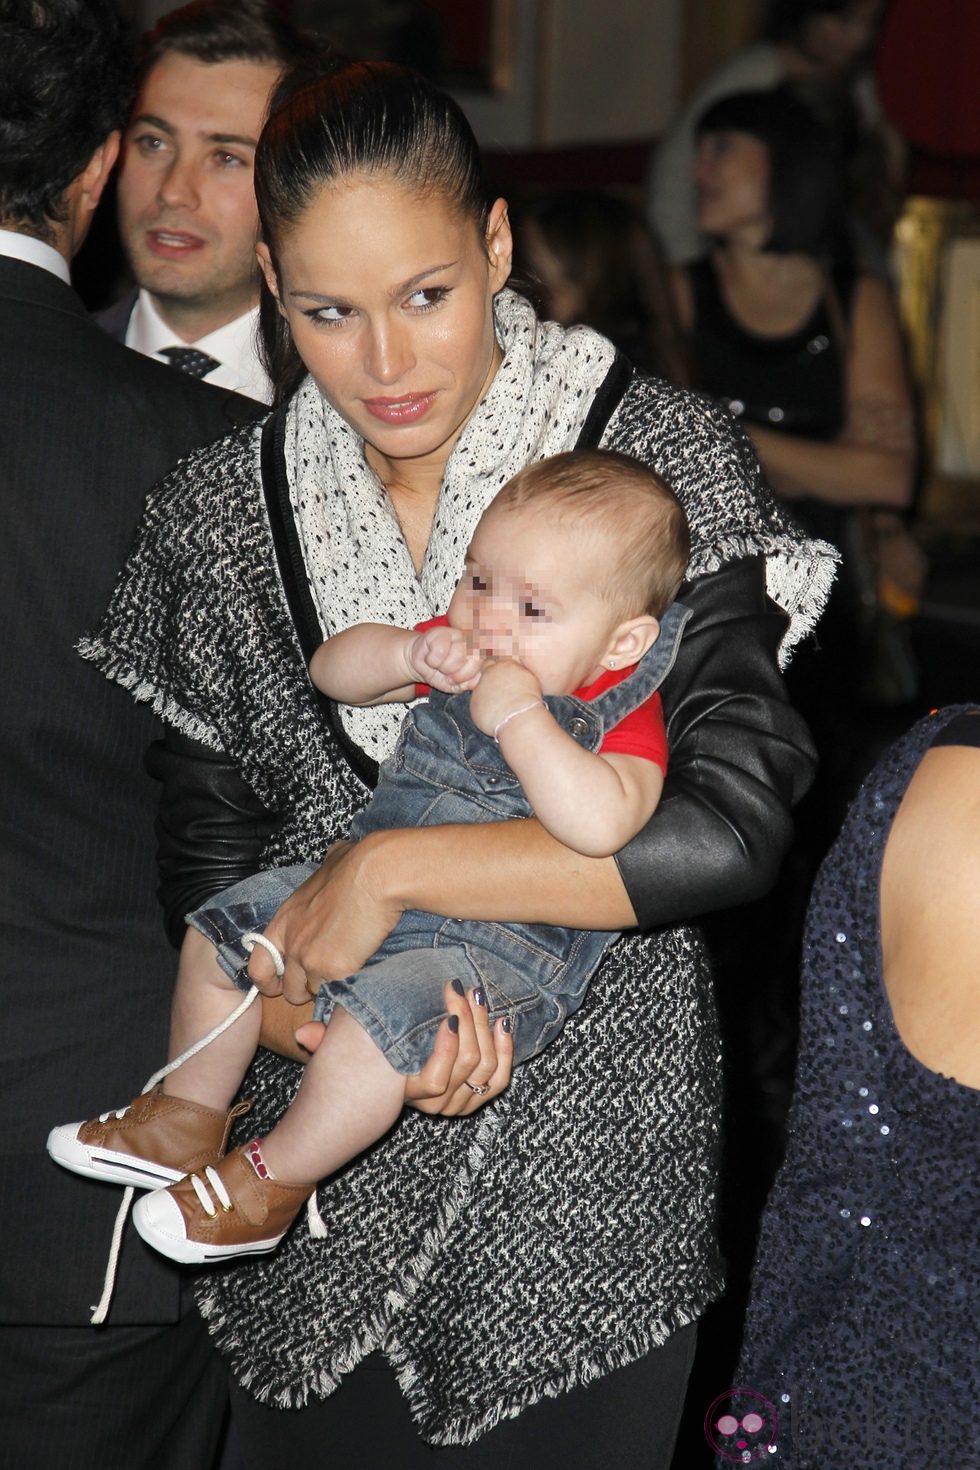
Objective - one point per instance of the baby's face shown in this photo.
(528, 594)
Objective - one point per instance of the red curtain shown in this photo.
(928, 63)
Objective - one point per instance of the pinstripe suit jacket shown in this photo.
(85, 972)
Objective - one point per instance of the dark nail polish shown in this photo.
(505, 1023)
(479, 997)
(458, 987)
(453, 1024)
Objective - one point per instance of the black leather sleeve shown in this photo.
(211, 827)
(740, 756)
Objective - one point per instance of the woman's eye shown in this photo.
(477, 584)
(531, 610)
(426, 297)
(329, 316)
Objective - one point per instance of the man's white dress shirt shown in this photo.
(34, 252)
(234, 347)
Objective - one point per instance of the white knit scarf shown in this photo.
(358, 564)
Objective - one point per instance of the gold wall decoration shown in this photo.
(937, 267)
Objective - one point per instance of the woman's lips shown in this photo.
(173, 243)
(407, 409)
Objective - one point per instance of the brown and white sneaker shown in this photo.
(152, 1142)
(231, 1209)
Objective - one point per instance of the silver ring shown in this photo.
(249, 941)
(480, 1091)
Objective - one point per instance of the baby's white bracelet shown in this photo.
(514, 713)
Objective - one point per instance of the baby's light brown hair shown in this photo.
(627, 503)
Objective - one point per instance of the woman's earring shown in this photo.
(611, 662)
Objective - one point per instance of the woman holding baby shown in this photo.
(519, 1287)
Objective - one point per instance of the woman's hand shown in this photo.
(467, 1054)
(511, 871)
(328, 928)
(465, 1058)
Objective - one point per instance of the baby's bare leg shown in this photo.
(205, 996)
(349, 1097)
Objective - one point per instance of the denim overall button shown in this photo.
(493, 780)
(578, 726)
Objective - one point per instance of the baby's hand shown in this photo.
(441, 659)
(505, 686)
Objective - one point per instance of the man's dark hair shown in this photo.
(66, 82)
(224, 30)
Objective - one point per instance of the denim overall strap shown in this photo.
(588, 720)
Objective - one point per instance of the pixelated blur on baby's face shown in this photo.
(529, 593)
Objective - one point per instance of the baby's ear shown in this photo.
(630, 641)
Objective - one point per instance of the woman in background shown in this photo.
(862, 1328)
(596, 261)
(806, 351)
(821, 49)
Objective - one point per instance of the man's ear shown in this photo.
(83, 194)
(95, 175)
(630, 642)
(269, 271)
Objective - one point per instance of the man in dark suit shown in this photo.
(86, 427)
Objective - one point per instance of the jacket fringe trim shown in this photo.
(462, 1424)
(144, 691)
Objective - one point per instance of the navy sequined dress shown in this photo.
(863, 1327)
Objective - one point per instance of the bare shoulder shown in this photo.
(930, 916)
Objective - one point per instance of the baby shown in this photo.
(542, 681)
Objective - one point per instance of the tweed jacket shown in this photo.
(568, 1227)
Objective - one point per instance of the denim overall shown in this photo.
(445, 771)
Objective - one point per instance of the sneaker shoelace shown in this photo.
(204, 1198)
(101, 1309)
(316, 1226)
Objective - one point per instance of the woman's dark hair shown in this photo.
(785, 19)
(66, 78)
(605, 248)
(358, 117)
(806, 192)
